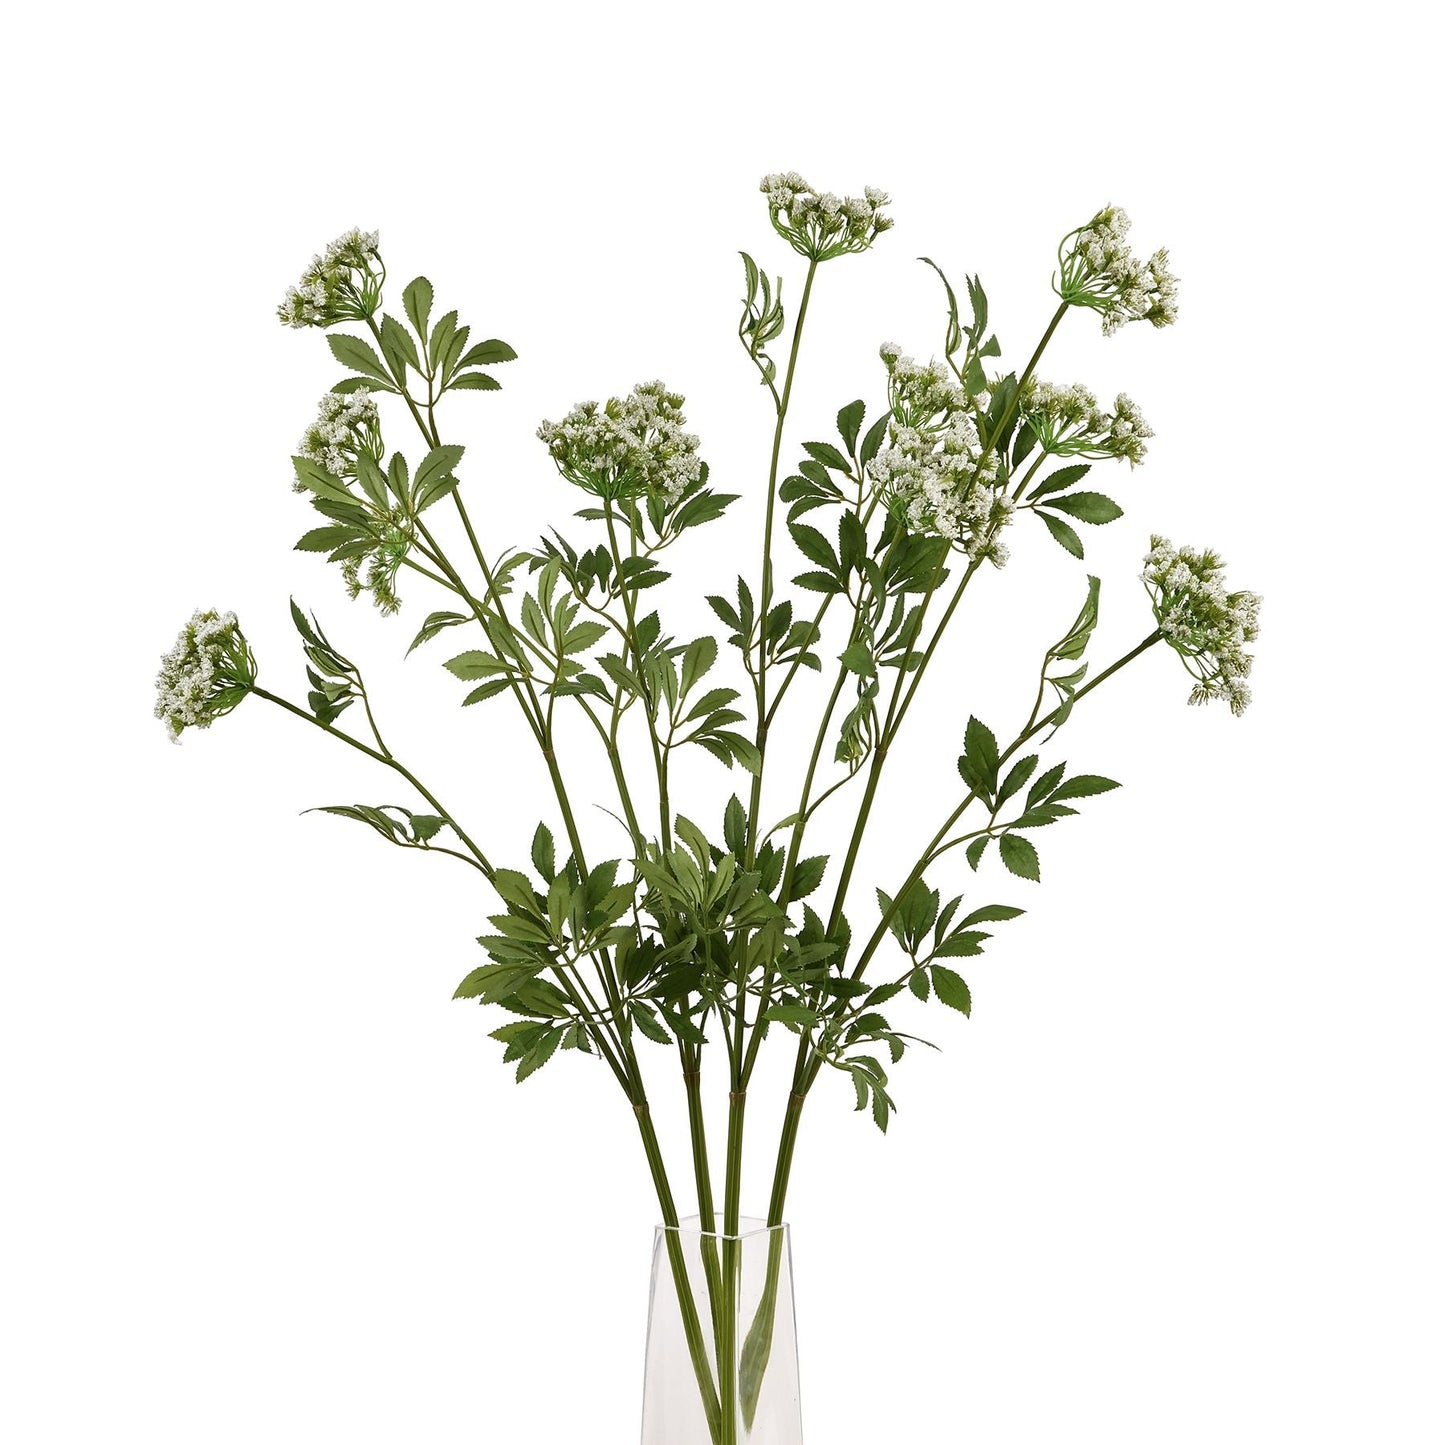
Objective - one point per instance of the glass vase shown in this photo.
(722, 1348)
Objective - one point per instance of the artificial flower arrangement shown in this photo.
(713, 936)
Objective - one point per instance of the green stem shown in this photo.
(691, 1323)
(766, 589)
(707, 1214)
(386, 760)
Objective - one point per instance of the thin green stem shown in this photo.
(765, 591)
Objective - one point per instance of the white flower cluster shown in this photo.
(1069, 422)
(345, 425)
(820, 225)
(207, 672)
(947, 489)
(1097, 269)
(1205, 624)
(341, 285)
(924, 397)
(627, 447)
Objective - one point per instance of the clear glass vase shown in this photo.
(722, 1348)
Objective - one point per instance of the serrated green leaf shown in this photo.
(992, 913)
(436, 466)
(1092, 507)
(354, 354)
(828, 455)
(874, 440)
(1060, 480)
(952, 990)
(417, 298)
(1085, 785)
(1063, 534)
(807, 876)
(791, 1013)
(474, 381)
(1020, 856)
(850, 419)
(487, 353)
(544, 853)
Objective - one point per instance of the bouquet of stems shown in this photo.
(712, 936)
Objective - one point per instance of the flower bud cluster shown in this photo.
(820, 225)
(343, 284)
(372, 566)
(1069, 422)
(1202, 621)
(204, 676)
(345, 426)
(630, 446)
(1098, 270)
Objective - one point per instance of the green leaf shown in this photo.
(1091, 507)
(814, 545)
(648, 1026)
(974, 851)
(952, 990)
(417, 299)
(1045, 784)
(791, 1013)
(992, 913)
(1083, 786)
(582, 636)
(818, 582)
(327, 539)
(426, 825)
(354, 354)
(436, 622)
(539, 1055)
(399, 348)
(1063, 534)
(850, 418)
(697, 661)
(1018, 775)
(486, 690)
(435, 467)
(807, 876)
(859, 659)
(487, 353)
(1060, 480)
(965, 943)
(474, 381)
(371, 479)
(874, 440)
(735, 826)
(348, 384)
(469, 666)
(829, 455)
(1020, 856)
(979, 764)
(544, 853)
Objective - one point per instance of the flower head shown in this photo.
(208, 671)
(630, 446)
(934, 475)
(343, 284)
(945, 485)
(1206, 625)
(1069, 422)
(924, 397)
(821, 226)
(1098, 270)
(345, 426)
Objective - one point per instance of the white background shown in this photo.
(1176, 1180)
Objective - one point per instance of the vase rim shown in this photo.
(748, 1228)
